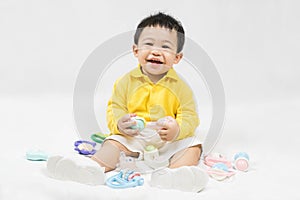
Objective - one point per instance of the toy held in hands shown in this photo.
(140, 123)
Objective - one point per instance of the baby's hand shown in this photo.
(170, 128)
(125, 123)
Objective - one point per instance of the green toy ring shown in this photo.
(98, 137)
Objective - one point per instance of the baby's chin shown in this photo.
(157, 68)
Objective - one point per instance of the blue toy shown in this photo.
(36, 155)
(140, 123)
(85, 147)
(125, 179)
(220, 171)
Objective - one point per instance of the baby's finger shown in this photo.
(163, 137)
(131, 132)
(129, 123)
(161, 122)
(162, 132)
(126, 118)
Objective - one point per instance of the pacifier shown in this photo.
(241, 161)
(220, 171)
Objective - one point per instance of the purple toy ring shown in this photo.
(85, 147)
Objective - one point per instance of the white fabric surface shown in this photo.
(267, 131)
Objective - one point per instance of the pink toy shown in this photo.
(220, 171)
(241, 161)
(214, 158)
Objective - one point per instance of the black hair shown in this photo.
(164, 21)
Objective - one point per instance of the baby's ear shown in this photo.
(178, 57)
(135, 50)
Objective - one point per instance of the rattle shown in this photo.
(241, 161)
(125, 179)
(98, 137)
(85, 147)
(140, 123)
(220, 171)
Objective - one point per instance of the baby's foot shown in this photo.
(76, 168)
(187, 178)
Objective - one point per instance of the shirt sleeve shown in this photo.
(187, 116)
(116, 106)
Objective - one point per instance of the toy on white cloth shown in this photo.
(222, 168)
(214, 158)
(85, 147)
(220, 171)
(36, 155)
(99, 137)
(241, 161)
(125, 179)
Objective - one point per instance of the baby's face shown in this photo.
(156, 51)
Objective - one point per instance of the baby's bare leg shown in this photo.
(186, 157)
(108, 155)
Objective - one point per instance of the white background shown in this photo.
(254, 44)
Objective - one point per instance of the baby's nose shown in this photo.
(156, 52)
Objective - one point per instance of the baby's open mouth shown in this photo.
(154, 61)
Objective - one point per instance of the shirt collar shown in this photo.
(138, 73)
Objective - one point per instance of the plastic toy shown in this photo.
(126, 162)
(220, 171)
(125, 179)
(99, 137)
(85, 147)
(36, 155)
(214, 158)
(151, 158)
(140, 123)
(241, 161)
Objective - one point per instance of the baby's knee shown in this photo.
(108, 155)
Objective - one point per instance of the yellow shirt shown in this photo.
(170, 96)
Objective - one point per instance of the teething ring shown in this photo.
(85, 147)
